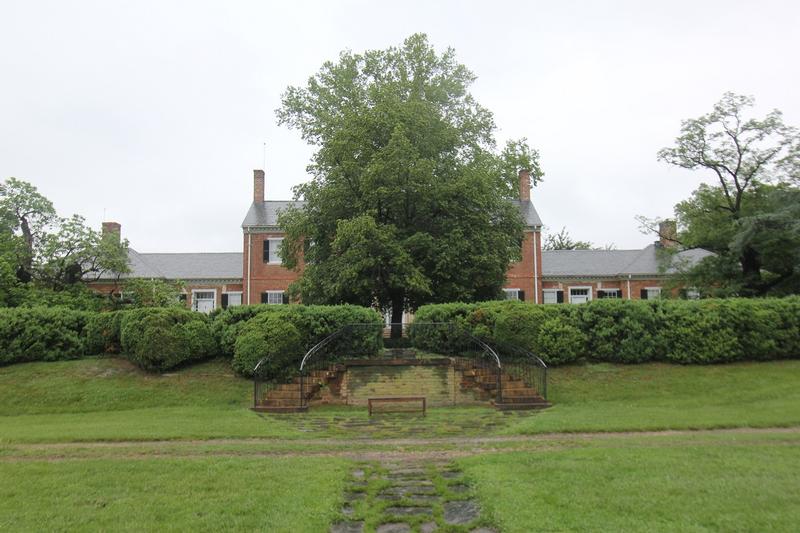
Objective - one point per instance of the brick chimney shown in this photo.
(524, 185)
(112, 228)
(667, 233)
(258, 186)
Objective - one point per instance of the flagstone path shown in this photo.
(419, 497)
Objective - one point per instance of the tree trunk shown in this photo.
(397, 316)
(751, 271)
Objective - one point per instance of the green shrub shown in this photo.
(622, 331)
(270, 337)
(162, 338)
(41, 334)
(705, 331)
(313, 323)
(102, 332)
(558, 342)
(699, 332)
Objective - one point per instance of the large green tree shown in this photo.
(745, 213)
(53, 252)
(408, 201)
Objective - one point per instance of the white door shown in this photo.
(579, 295)
(203, 301)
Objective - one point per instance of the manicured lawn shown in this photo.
(651, 487)
(108, 399)
(209, 494)
(606, 397)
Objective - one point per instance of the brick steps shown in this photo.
(285, 397)
(516, 394)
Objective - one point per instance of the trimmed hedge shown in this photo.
(623, 331)
(103, 333)
(163, 338)
(41, 334)
(250, 330)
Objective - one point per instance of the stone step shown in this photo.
(283, 394)
(520, 393)
(514, 406)
(282, 402)
(533, 398)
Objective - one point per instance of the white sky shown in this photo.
(155, 112)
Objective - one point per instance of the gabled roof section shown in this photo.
(613, 263)
(265, 214)
(528, 212)
(183, 266)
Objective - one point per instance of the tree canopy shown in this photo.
(39, 247)
(409, 197)
(748, 213)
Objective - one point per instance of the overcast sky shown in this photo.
(153, 114)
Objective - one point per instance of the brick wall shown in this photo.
(263, 276)
(440, 384)
(521, 274)
(636, 285)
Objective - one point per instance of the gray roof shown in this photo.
(593, 263)
(184, 266)
(266, 213)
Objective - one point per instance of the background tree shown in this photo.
(563, 241)
(153, 292)
(754, 166)
(408, 202)
(44, 249)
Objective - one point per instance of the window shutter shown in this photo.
(601, 294)
(643, 294)
(264, 298)
(224, 301)
(266, 250)
(560, 297)
(521, 295)
(286, 297)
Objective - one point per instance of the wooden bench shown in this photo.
(396, 399)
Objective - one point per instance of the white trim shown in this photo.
(241, 297)
(653, 289)
(588, 287)
(249, 263)
(508, 291)
(269, 259)
(549, 291)
(629, 286)
(613, 289)
(194, 299)
(274, 292)
(535, 271)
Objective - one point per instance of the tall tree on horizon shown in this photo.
(408, 203)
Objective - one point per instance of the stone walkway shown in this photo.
(420, 497)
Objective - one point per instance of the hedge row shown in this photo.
(158, 339)
(621, 331)
(284, 334)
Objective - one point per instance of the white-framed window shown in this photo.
(513, 294)
(204, 300)
(231, 299)
(580, 295)
(608, 293)
(692, 294)
(552, 296)
(272, 250)
(651, 293)
(272, 297)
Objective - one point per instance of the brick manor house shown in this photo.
(255, 274)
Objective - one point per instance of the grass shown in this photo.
(655, 486)
(52, 414)
(606, 397)
(283, 494)
(109, 399)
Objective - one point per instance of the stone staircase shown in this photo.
(516, 394)
(285, 397)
